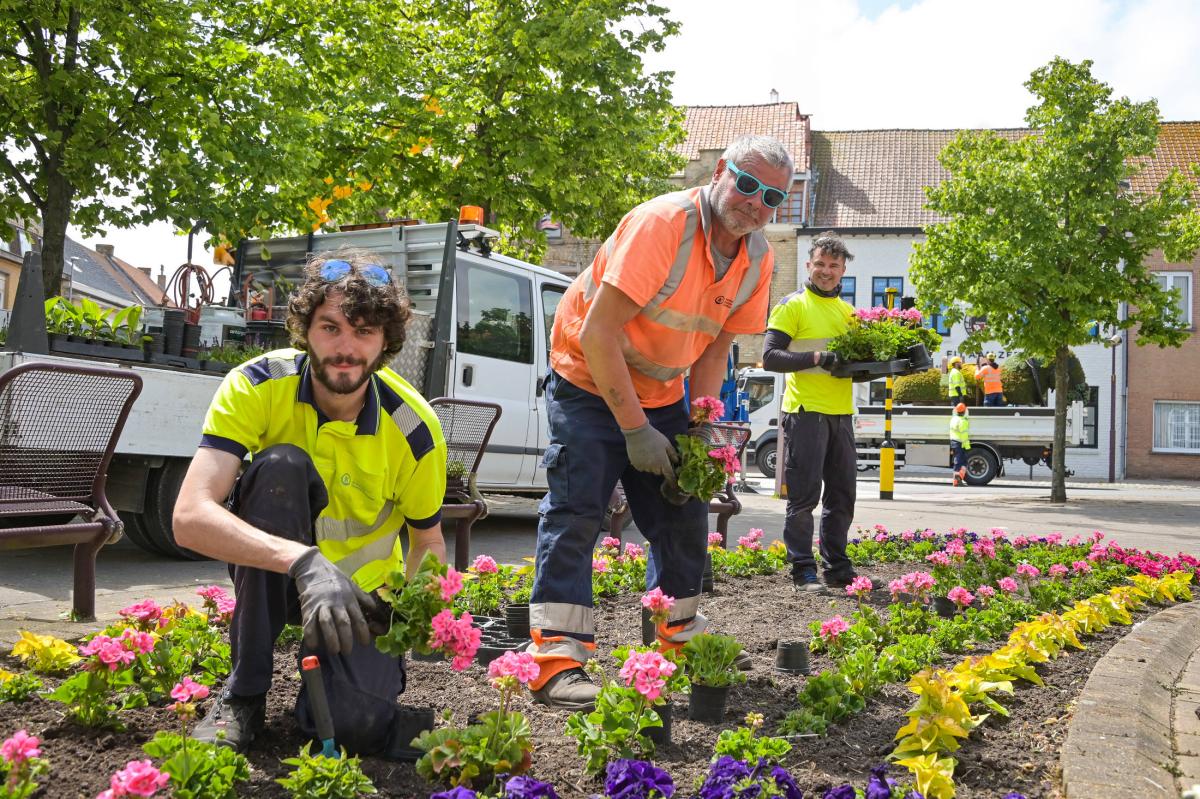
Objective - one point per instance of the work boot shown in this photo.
(233, 721)
(806, 582)
(839, 581)
(570, 689)
(743, 661)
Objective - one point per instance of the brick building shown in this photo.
(709, 130)
(1163, 402)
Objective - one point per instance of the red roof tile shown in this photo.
(713, 127)
(1178, 148)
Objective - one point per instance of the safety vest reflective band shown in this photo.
(991, 379)
(657, 259)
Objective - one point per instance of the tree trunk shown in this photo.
(55, 215)
(1062, 362)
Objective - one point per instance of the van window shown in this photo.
(760, 392)
(495, 316)
(551, 296)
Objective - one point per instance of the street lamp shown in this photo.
(1112, 342)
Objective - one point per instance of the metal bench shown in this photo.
(467, 426)
(724, 503)
(59, 425)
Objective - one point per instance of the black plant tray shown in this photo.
(863, 371)
(173, 360)
(96, 349)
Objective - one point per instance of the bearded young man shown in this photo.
(345, 455)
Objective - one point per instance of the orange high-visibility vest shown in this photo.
(991, 379)
(660, 257)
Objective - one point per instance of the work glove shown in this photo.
(672, 493)
(333, 609)
(827, 360)
(650, 451)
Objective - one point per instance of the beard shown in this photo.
(343, 384)
(734, 221)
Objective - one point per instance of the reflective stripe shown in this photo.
(686, 608)
(561, 647)
(756, 250)
(635, 360)
(380, 550)
(563, 617)
(342, 530)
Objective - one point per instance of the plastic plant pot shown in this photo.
(707, 703)
(409, 723)
(517, 618)
(661, 735)
(791, 657)
(649, 634)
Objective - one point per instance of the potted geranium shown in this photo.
(883, 341)
(711, 665)
(705, 465)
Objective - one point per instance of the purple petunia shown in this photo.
(1014, 795)
(722, 776)
(785, 783)
(840, 792)
(528, 788)
(879, 786)
(457, 792)
(636, 779)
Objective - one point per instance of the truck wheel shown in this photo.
(162, 490)
(135, 531)
(982, 466)
(764, 456)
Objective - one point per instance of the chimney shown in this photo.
(162, 277)
(105, 249)
(774, 96)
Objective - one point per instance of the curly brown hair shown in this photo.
(383, 306)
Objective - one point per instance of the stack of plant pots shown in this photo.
(495, 639)
(516, 617)
(173, 321)
(791, 657)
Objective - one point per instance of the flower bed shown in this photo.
(850, 675)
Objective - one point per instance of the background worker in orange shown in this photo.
(993, 388)
(664, 296)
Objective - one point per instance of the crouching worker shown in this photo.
(345, 455)
(960, 442)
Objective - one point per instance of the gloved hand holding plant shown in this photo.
(705, 464)
(422, 618)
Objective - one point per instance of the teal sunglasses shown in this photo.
(749, 185)
(335, 269)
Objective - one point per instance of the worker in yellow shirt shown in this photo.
(957, 389)
(993, 388)
(960, 442)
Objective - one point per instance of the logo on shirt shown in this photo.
(347, 480)
(726, 301)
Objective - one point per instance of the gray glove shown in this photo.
(651, 452)
(332, 608)
(827, 360)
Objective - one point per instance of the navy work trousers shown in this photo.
(584, 460)
(820, 449)
(282, 494)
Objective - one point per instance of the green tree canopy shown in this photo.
(1042, 236)
(255, 117)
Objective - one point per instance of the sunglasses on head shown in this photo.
(336, 269)
(749, 185)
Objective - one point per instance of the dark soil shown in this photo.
(1018, 753)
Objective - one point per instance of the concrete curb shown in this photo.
(1121, 742)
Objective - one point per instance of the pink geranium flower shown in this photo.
(928, 534)
(1081, 567)
(138, 778)
(518, 666)
(907, 535)
(485, 564)
(141, 643)
(647, 673)
(143, 612)
(633, 551)
(707, 409)
(831, 629)
(859, 587)
(985, 592)
(985, 549)
(455, 637)
(19, 748)
(599, 565)
(956, 549)
(188, 690)
(960, 596)
(881, 538)
(715, 539)
(659, 604)
(609, 542)
(1027, 571)
(728, 457)
(108, 651)
(451, 584)
(938, 558)
(1057, 570)
(1007, 584)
